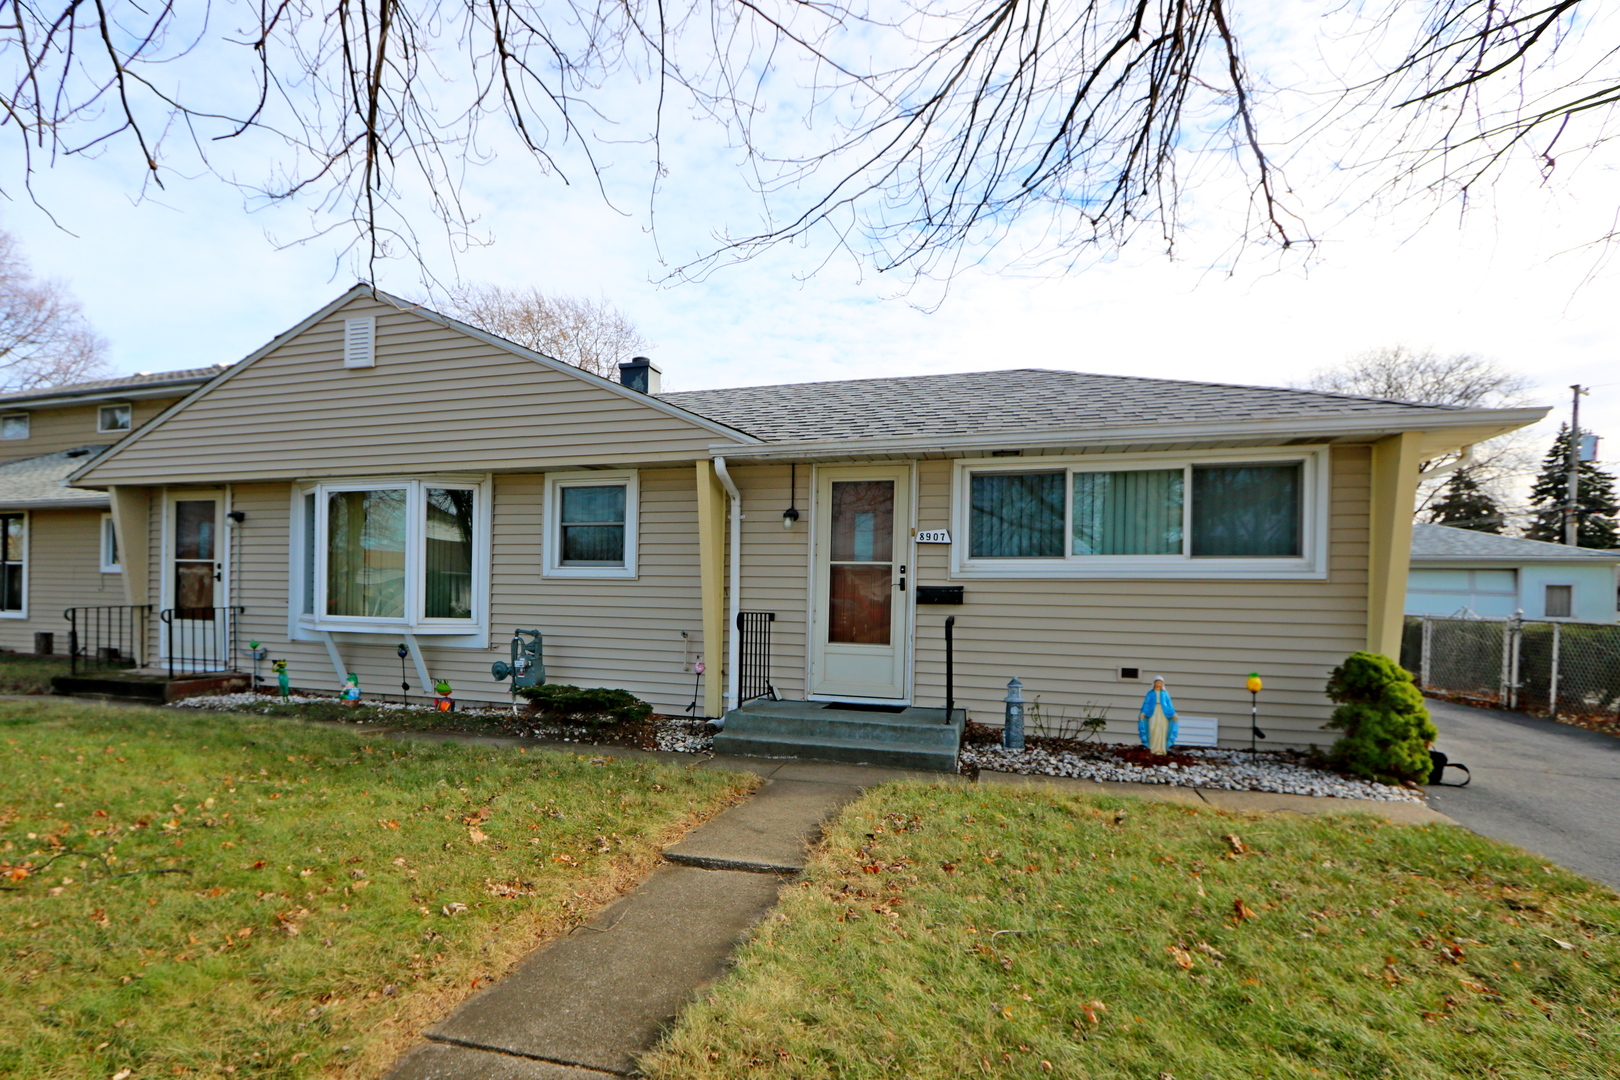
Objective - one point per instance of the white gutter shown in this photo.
(734, 642)
(1465, 459)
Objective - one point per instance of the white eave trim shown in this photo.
(1301, 429)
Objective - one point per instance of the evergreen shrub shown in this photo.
(1387, 730)
(591, 706)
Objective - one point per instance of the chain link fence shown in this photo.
(1553, 668)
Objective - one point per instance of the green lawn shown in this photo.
(21, 674)
(215, 895)
(967, 931)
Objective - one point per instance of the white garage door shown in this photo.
(1490, 594)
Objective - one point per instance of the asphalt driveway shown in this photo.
(1547, 787)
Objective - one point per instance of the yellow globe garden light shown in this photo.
(1254, 685)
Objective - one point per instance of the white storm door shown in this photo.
(859, 643)
(194, 632)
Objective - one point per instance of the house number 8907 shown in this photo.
(933, 536)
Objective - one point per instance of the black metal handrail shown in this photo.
(754, 656)
(200, 639)
(106, 637)
(950, 668)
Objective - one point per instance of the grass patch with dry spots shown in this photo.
(214, 895)
(968, 931)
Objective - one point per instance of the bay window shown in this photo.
(408, 554)
(1254, 514)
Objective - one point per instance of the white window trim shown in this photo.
(101, 413)
(27, 561)
(1315, 509)
(109, 546)
(466, 633)
(28, 425)
(555, 482)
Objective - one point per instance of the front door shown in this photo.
(863, 537)
(196, 624)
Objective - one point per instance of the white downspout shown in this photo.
(733, 641)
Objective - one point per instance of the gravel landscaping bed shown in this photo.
(1283, 772)
(1225, 770)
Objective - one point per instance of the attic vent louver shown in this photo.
(360, 342)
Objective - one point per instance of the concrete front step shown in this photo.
(148, 688)
(911, 738)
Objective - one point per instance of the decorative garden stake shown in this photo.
(697, 680)
(1012, 728)
(446, 702)
(280, 668)
(351, 688)
(1157, 727)
(404, 683)
(1255, 686)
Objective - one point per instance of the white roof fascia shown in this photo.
(568, 369)
(89, 503)
(1292, 427)
(1591, 558)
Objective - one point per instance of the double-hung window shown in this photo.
(1146, 516)
(109, 547)
(591, 530)
(114, 418)
(13, 565)
(411, 554)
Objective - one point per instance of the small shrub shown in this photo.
(591, 706)
(1387, 730)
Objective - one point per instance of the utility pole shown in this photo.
(1572, 511)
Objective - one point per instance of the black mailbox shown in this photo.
(939, 594)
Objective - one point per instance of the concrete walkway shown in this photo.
(586, 1005)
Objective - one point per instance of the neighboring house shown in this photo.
(57, 545)
(380, 474)
(1464, 571)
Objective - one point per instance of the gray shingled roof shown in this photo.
(123, 382)
(1449, 542)
(990, 401)
(37, 481)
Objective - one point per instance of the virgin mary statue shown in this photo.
(1158, 728)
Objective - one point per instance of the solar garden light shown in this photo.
(1012, 728)
(257, 652)
(1254, 685)
(404, 682)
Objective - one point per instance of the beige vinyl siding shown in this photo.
(437, 400)
(623, 633)
(64, 570)
(1066, 639)
(50, 430)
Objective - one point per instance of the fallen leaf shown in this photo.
(1559, 942)
(477, 835)
(453, 909)
(389, 824)
(1243, 911)
(1092, 1008)
(1182, 957)
(123, 1074)
(1235, 844)
(1209, 950)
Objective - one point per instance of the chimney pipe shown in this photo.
(640, 373)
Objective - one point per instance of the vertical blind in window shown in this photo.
(592, 525)
(1246, 510)
(309, 554)
(449, 553)
(1128, 513)
(1017, 516)
(365, 553)
(11, 562)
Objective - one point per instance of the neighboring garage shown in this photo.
(1464, 572)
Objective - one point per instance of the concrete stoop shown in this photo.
(146, 688)
(911, 738)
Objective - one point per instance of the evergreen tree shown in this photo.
(1465, 505)
(1596, 502)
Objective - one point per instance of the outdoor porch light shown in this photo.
(791, 514)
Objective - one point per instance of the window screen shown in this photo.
(592, 525)
(1017, 516)
(1246, 511)
(1560, 601)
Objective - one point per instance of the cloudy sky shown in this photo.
(194, 275)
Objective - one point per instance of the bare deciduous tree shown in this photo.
(931, 128)
(1424, 376)
(590, 334)
(44, 337)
